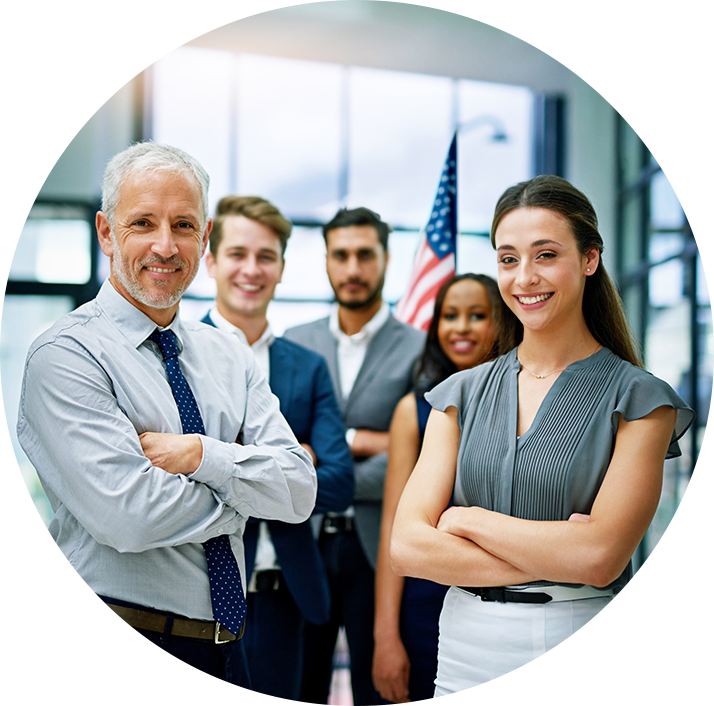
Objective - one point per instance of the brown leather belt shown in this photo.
(182, 627)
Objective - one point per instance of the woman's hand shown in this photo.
(390, 670)
(449, 521)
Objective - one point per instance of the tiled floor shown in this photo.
(341, 691)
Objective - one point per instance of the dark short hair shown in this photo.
(361, 216)
(256, 209)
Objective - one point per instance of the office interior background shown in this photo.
(354, 103)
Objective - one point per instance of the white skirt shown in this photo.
(479, 641)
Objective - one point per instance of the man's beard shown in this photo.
(156, 299)
(372, 296)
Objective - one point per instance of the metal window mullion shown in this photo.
(691, 233)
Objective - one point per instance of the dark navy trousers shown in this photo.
(273, 640)
(113, 665)
(351, 580)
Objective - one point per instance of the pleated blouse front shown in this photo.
(556, 467)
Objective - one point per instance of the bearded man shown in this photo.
(370, 356)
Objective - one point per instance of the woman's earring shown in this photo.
(588, 270)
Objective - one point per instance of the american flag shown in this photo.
(435, 259)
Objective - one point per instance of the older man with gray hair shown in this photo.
(156, 438)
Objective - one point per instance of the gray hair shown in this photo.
(146, 157)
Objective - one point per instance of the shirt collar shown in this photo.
(368, 330)
(133, 323)
(224, 325)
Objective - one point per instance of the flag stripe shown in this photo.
(429, 284)
(435, 258)
(424, 282)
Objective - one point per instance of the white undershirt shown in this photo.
(351, 351)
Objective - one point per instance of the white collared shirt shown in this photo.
(261, 348)
(351, 350)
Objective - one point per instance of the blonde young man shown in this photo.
(288, 585)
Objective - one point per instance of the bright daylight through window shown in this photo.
(313, 137)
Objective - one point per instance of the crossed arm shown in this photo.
(133, 493)
(178, 454)
(470, 546)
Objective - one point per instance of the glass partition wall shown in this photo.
(666, 269)
(313, 137)
(47, 261)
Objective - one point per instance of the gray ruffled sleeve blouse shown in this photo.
(556, 467)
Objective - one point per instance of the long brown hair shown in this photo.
(602, 306)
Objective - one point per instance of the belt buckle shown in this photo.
(494, 594)
(216, 635)
(328, 527)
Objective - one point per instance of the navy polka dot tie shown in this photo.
(229, 607)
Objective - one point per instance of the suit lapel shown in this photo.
(282, 372)
(389, 336)
(328, 350)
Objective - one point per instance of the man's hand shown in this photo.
(309, 449)
(174, 453)
(369, 443)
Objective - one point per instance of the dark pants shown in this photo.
(113, 665)
(274, 643)
(419, 625)
(351, 580)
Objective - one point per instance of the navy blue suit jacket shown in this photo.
(299, 378)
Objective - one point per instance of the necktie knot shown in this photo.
(166, 341)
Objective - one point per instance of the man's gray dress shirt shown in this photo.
(92, 384)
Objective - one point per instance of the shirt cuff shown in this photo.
(350, 436)
(216, 463)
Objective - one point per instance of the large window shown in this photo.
(666, 262)
(46, 269)
(313, 137)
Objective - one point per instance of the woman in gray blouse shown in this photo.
(554, 452)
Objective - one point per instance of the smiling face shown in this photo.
(157, 241)
(356, 265)
(247, 267)
(541, 273)
(465, 329)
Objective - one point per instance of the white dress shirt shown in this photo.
(92, 384)
(351, 350)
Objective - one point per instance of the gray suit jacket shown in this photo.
(384, 378)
